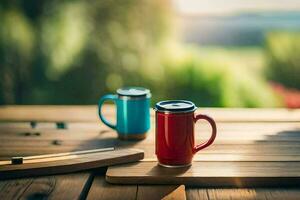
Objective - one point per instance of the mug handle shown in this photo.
(213, 134)
(100, 103)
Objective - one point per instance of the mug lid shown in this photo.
(133, 91)
(175, 106)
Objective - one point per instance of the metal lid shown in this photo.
(175, 106)
(133, 91)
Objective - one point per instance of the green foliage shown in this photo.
(16, 49)
(211, 83)
(283, 57)
(75, 51)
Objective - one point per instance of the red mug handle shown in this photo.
(213, 134)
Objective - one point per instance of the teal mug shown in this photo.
(133, 112)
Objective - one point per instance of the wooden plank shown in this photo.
(89, 114)
(239, 157)
(223, 136)
(273, 151)
(277, 193)
(201, 126)
(28, 139)
(72, 164)
(232, 194)
(17, 140)
(231, 137)
(210, 157)
(149, 192)
(250, 149)
(247, 193)
(103, 190)
(192, 193)
(201, 129)
(276, 146)
(49, 113)
(68, 186)
(230, 152)
(213, 174)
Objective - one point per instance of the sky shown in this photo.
(221, 7)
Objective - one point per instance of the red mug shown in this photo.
(175, 141)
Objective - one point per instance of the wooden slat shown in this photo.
(245, 194)
(251, 194)
(49, 113)
(237, 174)
(68, 186)
(232, 194)
(196, 194)
(276, 143)
(226, 152)
(200, 126)
(223, 136)
(89, 114)
(288, 148)
(72, 164)
(149, 192)
(277, 193)
(100, 189)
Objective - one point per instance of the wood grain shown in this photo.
(100, 189)
(277, 143)
(243, 135)
(212, 174)
(247, 193)
(49, 113)
(149, 192)
(68, 186)
(74, 164)
(192, 193)
(225, 194)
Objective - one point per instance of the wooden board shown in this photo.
(100, 189)
(48, 113)
(209, 174)
(68, 187)
(245, 194)
(72, 164)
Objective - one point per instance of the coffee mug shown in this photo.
(133, 114)
(175, 141)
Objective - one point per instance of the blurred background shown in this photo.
(233, 53)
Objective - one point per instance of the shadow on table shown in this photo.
(163, 171)
(289, 135)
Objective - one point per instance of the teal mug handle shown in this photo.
(100, 103)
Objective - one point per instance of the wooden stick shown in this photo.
(19, 160)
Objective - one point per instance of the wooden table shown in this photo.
(266, 134)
